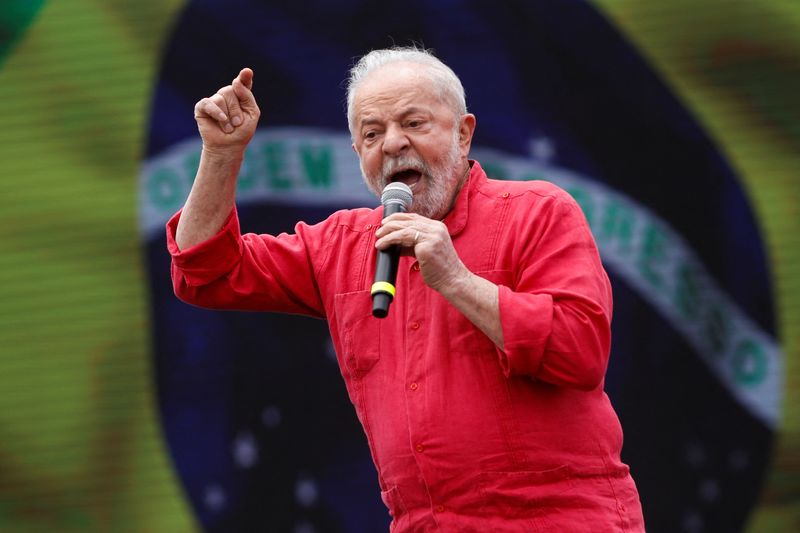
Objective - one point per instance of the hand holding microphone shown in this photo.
(396, 198)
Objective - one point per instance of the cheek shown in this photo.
(371, 162)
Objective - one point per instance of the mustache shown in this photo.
(391, 167)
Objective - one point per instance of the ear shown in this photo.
(466, 129)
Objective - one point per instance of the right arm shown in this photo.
(227, 121)
(213, 265)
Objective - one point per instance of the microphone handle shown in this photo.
(383, 288)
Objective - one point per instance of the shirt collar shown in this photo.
(456, 219)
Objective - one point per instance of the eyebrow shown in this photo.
(408, 111)
(368, 122)
(412, 110)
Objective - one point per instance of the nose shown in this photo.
(395, 141)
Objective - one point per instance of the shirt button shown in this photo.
(369, 226)
(440, 508)
(413, 386)
(415, 325)
(506, 195)
(420, 448)
(415, 267)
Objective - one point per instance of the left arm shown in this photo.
(553, 324)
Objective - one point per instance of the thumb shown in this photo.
(246, 77)
(241, 88)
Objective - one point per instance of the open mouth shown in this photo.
(408, 176)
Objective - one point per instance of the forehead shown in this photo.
(393, 88)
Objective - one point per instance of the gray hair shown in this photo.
(444, 80)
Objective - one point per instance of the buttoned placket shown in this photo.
(420, 422)
(415, 379)
(415, 368)
(414, 325)
(415, 365)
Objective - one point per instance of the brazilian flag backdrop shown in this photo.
(676, 126)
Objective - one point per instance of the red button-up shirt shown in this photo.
(465, 437)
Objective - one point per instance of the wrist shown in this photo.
(459, 283)
(223, 154)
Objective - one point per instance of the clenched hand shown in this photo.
(227, 120)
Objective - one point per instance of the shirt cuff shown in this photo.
(209, 260)
(526, 320)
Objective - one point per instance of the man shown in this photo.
(481, 394)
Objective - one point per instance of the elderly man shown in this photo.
(481, 394)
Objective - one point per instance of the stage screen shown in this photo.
(675, 125)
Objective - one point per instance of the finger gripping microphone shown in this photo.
(396, 198)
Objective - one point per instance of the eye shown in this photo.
(414, 123)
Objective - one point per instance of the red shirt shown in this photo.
(465, 437)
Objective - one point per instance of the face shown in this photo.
(403, 131)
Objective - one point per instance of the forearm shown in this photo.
(211, 199)
(477, 299)
(569, 348)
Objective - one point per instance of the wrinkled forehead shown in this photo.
(394, 86)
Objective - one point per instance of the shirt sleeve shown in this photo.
(556, 320)
(250, 272)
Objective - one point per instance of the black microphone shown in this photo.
(396, 198)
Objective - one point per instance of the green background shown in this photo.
(80, 444)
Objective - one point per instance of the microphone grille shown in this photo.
(397, 192)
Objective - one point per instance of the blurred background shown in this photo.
(676, 125)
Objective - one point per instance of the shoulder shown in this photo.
(339, 233)
(358, 220)
(536, 205)
(534, 191)
(355, 218)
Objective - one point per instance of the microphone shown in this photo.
(396, 198)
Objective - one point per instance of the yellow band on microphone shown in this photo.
(382, 286)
